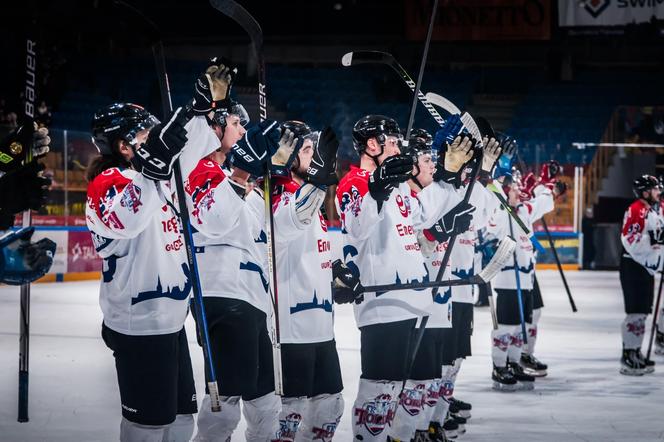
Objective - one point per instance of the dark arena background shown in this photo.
(578, 82)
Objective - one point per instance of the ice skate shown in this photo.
(630, 364)
(460, 408)
(421, 436)
(532, 366)
(437, 433)
(649, 364)
(503, 379)
(451, 427)
(461, 422)
(524, 381)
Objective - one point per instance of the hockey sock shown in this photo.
(446, 390)
(218, 426)
(455, 373)
(410, 406)
(500, 341)
(516, 345)
(322, 419)
(633, 330)
(431, 397)
(262, 416)
(131, 431)
(374, 408)
(531, 329)
(181, 429)
(293, 411)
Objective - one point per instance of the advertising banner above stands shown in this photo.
(480, 20)
(608, 12)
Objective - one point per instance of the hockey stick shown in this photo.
(492, 307)
(503, 253)
(560, 267)
(519, 295)
(241, 16)
(24, 333)
(377, 57)
(199, 307)
(423, 63)
(452, 109)
(654, 315)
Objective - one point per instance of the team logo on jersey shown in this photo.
(596, 7)
(376, 414)
(412, 399)
(433, 393)
(288, 427)
(325, 432)
(351, 200)
(131, 197)
(403, 206)
(502, 342)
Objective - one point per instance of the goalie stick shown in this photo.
(241, 16)
(199, 307)
(377, 57)
(24, 324)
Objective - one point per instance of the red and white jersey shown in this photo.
(499, 227)
(145, 277)
(639, 219)
(231, 245)
(304, 270)
(383, 245)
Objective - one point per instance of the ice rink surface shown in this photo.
(74, 396)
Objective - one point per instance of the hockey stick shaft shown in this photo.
(558, 264)
(492, 307)
(423, 285)
(654, 315)
(199, 307)
(416, 91)
(24, 332)
(519, 294)
(241, 16)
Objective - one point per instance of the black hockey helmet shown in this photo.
(643, 184)
(420, 142)
(231, 107)
(423, 135)
(299, 128)
(119, 121)
(373, 126)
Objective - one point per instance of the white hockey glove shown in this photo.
(490, 154)
(308, 200)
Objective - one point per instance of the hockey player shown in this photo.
(642, 237)
(312, 404)
(462, 264)
(507, 340)
(379, 223)
(146, 280)
(232, 259)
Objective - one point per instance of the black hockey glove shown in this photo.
(347, 286)
(394, 170)
(155, 158)
(454, 222)
(251, 153)
(23, 189)
(12, 148)
(323, 168)
(22, 261)
(213, 86)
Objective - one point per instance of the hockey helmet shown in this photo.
(643, 184)
(374, 126)
(232, 107)
(119, 121)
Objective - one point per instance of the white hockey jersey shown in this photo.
(383, 245)
(135, 228)
(304, 271)
(499, 227)
(640, 219)
(231, 245)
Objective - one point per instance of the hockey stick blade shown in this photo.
(449, 107)
(502, 255)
